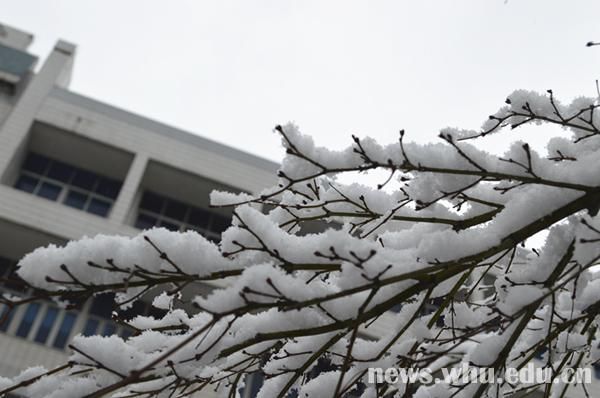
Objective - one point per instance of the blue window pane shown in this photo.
(49, 191)
(91, 326)
(169, 225)
(176, 210)
(109, 329)
(64, 331)
(539, 354)
(76, 199)
(26, 183)
(199, 218)
(36, 163)
(145, 222)
(46, 326)
(126, 333)
(254, 382)
(5, 317)
(28, 319)
(98, 207)
(152, 202)
(108, 188)
(84, 179)
(60, 171)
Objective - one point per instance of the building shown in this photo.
(72, 166)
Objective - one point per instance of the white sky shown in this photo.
(231, 70)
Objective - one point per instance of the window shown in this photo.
(46, 325)
(64, 331)
(160, 211)
(28, 319)
(109, 329)
(41, 322)
(8, 282)
(99, 320)
(5, 266)
(5, 318)
(253, 383)
(91, 325)
(7, 88)
(70, 185)
(8, 278)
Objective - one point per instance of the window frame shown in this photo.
(66, 187)
(183, 224)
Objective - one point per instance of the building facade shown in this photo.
(71, 166)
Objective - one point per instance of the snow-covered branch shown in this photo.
(434, 254)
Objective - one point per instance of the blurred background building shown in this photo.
(72, 166)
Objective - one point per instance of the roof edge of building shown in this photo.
(163, 129)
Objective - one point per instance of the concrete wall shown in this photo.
(45, 118)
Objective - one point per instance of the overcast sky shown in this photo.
(231, 70)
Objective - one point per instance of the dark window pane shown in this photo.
(28, 319)
(109, 329)
(156, 313)
(108, 188)
(64, 331)
(193, 228)
(84, 179)
(26, 183)
(91, 326)
(103, 305)
(10, 279)
(60, 171)
(254, 382)
(199, 218)
(539, 354)
(152, 202)
(36, 163)
(219, 223)
(145, 222)
(6, 316)
(5, 267)
(175, 210)
(138, 308)
(46, 326)
(76, 199)
(98, 207)
(49, 191)
(169, 225)
(211, 238)
(126, 333)
(13, 281)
